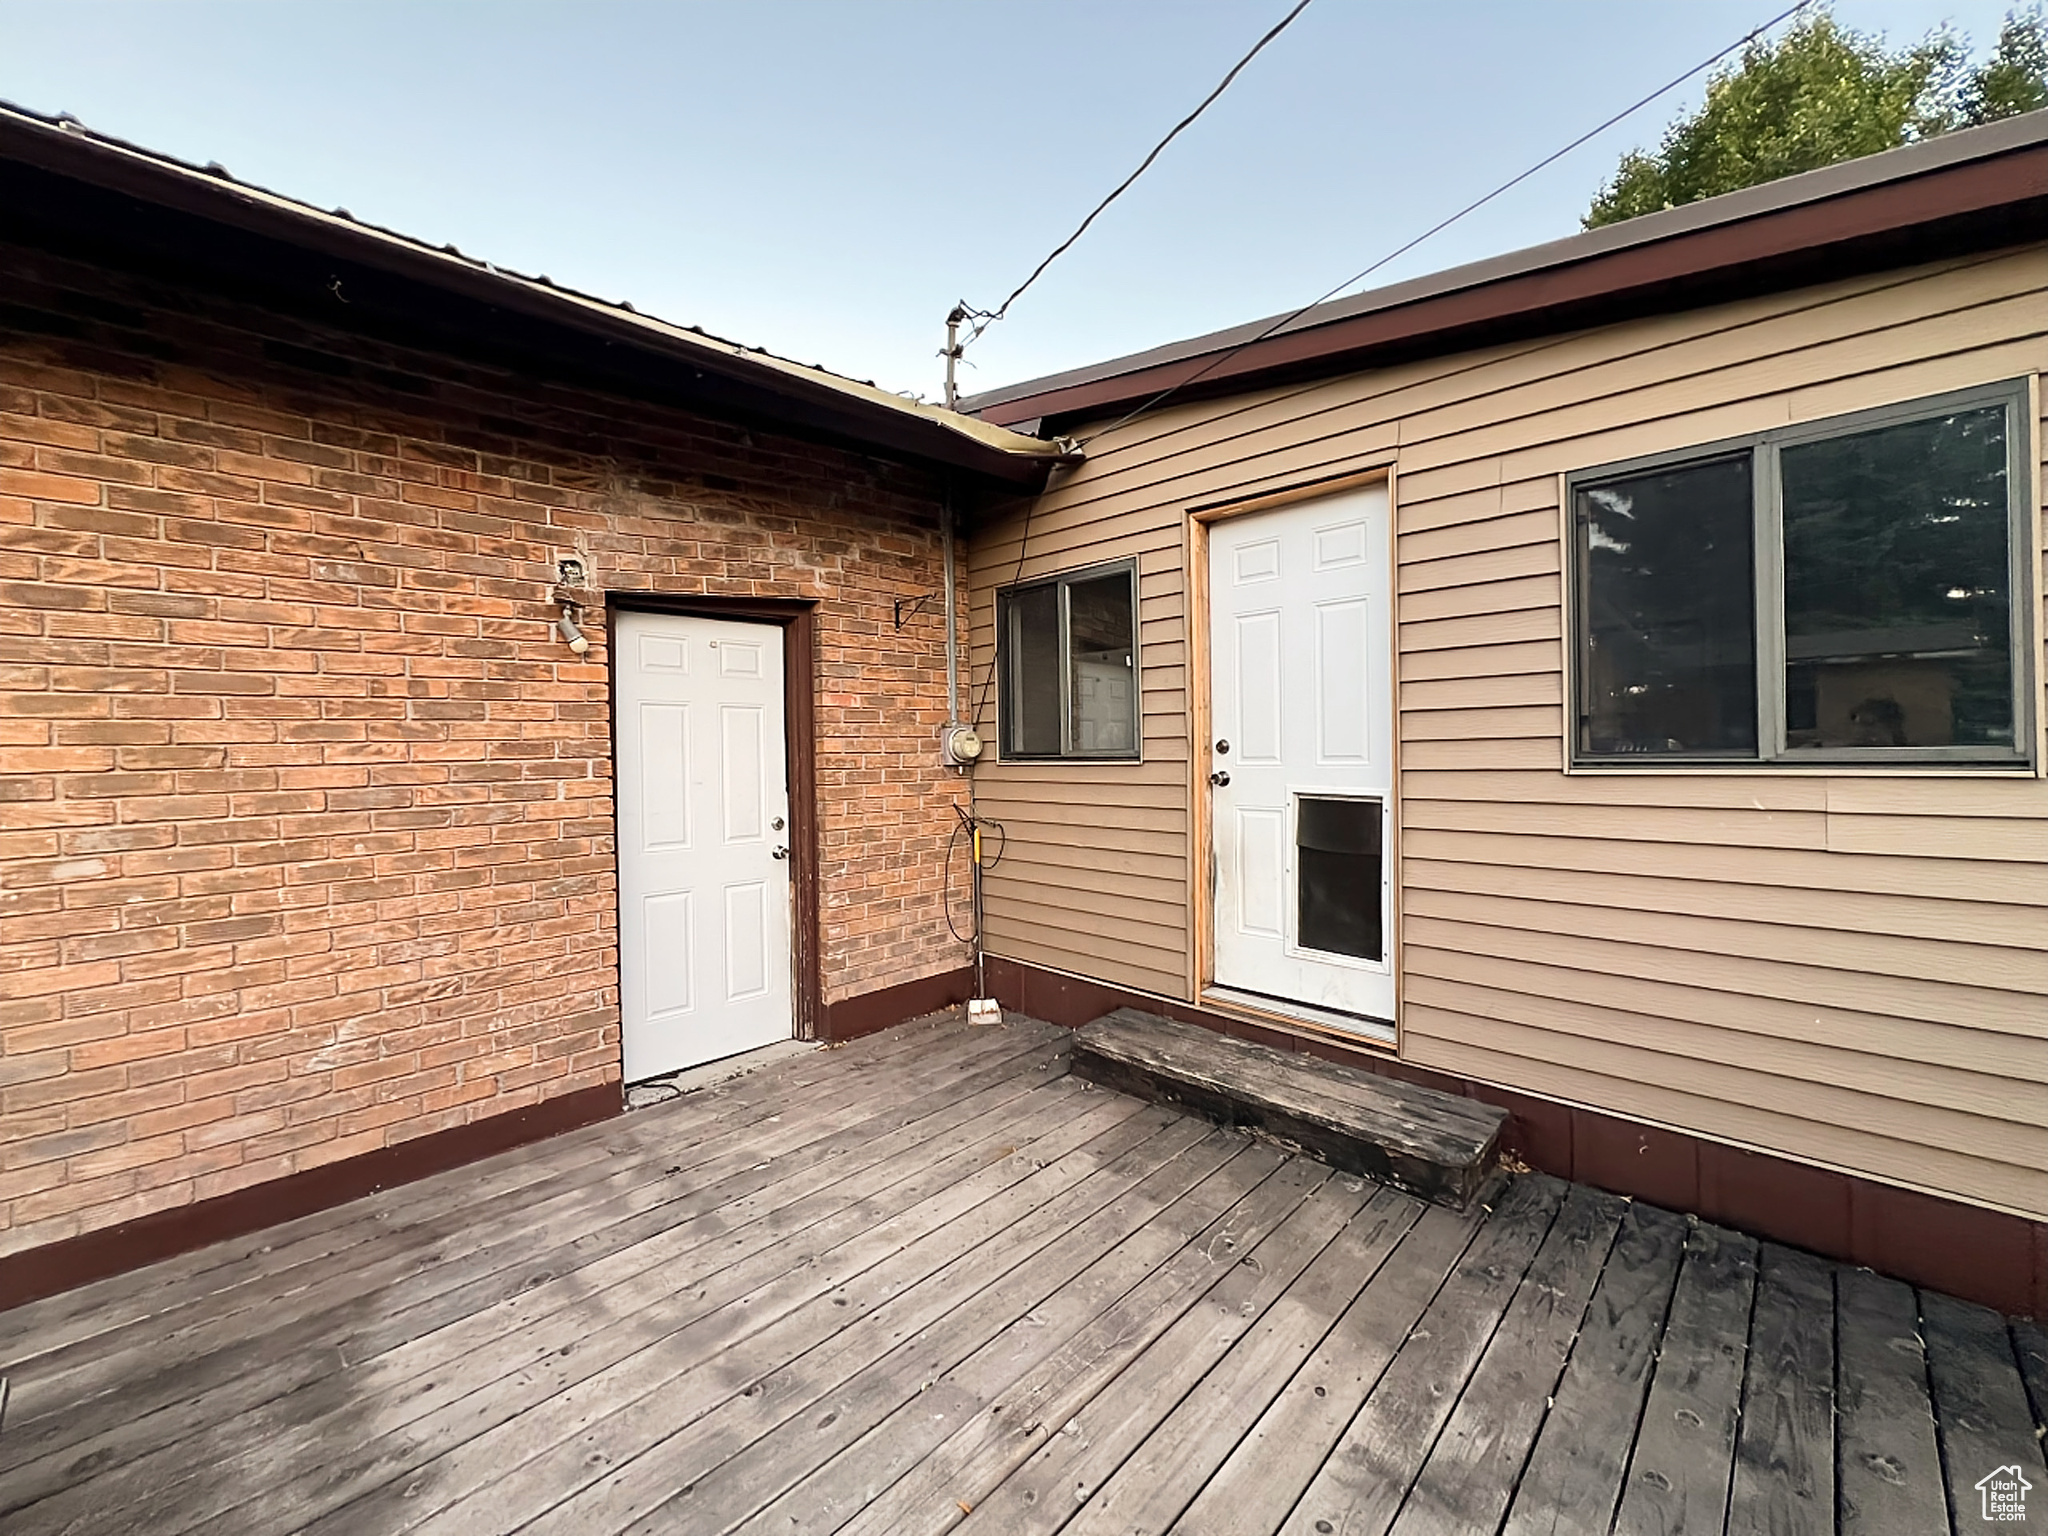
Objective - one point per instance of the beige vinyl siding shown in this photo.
(1846, 968)
(1094, 869)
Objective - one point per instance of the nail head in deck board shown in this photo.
(1572, 1482)
(1161, 1477)
(1360, 1487)
(1980, 1403)
(1435, 1145)
(1078, 1456)
(1471, 1472)
(1678, 1476)
(1267, 1472)
(1888, 1466)
(1012, 1381)
(1785, 1451)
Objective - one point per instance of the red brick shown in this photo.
(318, 647)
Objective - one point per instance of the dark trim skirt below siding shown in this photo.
(1998, 1260)
(852, 1017)
(54, 1267)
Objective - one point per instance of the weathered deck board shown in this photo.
(1980, 1401)
(1270, 1467)
(1889, 1477)
(725, 1466)
(1365, 1480)
(1785, 1455)
(1572, 1481)
(1085, 1452)
(537, 1449)
(2030, 1340)
(1470, 1475)
(1684, 1458)
(1041, 1354)
(932, 1281)
(1155, 1484)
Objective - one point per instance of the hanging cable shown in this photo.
(996, 650)
(1436, 229)
(963, 835)
(988, 317)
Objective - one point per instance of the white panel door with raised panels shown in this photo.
(1300, 761)
(704, 849)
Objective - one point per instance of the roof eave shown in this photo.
(847, 408)
(1766, 236)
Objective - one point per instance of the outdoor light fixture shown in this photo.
(566, 626)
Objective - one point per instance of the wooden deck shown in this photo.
(930, 1282)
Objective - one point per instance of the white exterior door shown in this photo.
(704, 849)
(1300, 760)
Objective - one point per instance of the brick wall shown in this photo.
(305, 817)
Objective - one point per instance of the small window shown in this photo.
(1068, 658)
(1848, 591)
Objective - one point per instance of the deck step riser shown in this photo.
(1441, 1147)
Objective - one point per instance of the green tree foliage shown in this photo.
(1820, 94)
(2015, 78)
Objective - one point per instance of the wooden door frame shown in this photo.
(1201, 862)
(797, 618)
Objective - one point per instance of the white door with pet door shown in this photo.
(1300, 761)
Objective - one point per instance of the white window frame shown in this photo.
(1768, 592)
(1005, 652)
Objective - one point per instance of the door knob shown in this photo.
(1219, 779)
(779, 853)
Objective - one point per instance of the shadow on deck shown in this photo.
(930, 1282)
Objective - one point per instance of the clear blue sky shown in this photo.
(824, 179)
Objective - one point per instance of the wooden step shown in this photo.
(1436, 1145)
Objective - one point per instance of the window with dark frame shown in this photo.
(1845, 591)
(1068, 663)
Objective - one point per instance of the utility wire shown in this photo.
(1436, 229)
(989, 317)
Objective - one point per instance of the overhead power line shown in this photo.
(1438, 228)
(1024, 543)
(989, 317)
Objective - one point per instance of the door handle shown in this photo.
(779, 853)
(1219, 778)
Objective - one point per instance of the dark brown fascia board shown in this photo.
(1775, 235)
(810, 398)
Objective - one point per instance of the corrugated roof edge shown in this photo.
(1963, 147)
(54, 143)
